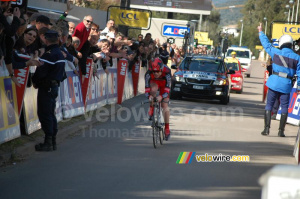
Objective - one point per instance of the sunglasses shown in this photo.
(89, 21)
(30, 34)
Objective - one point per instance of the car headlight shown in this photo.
(220, 82)
(179, 79)
(236, 78)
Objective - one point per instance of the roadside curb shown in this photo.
(22, 147)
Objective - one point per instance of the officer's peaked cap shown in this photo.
(51, 34)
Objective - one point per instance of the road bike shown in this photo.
(158, 131)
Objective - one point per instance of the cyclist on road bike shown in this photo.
(158, 77)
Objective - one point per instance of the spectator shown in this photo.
(110, 23)
(32, 19)
(148, 39)
(86, 51)
(94, 29)
(25, 44)
(140, 37)
(164, 54)
(71, 27)
(83, 29)
(42, 21)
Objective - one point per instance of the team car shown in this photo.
(237, 79)
(202, 77)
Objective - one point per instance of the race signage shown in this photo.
(199, 75)
(171, 40)
(22, 4)
(280, 29)
(174, 31)
(201, 36)
(131, 18)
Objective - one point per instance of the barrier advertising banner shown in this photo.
(9, 120)
(32, 122)
(135, 77)
(112, 86)
(22, 77)
(294, 108)
(71, 95)
(96, 97)
(122, 70)
(85, 80)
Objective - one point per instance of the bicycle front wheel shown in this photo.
(161, 135)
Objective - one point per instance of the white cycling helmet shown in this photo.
(285, 39)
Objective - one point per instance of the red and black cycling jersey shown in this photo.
(165, 78)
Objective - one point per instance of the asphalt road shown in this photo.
(116, 158)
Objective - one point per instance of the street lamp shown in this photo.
(241, 36)
(265, 18)
(297, 11)
(292, 3)
(288, 7)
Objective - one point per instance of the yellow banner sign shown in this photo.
(288, 29)
(201, 36)
(130, 18)
(258, 47)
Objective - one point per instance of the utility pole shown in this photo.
(124, 29)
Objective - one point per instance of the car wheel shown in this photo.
(224, 100)
(240, 91)
(175, 96)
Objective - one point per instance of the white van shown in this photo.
(244, 56)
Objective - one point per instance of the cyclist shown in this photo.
(158, 77)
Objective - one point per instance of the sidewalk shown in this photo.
(21, 148)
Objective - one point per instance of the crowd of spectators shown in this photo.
(22, 33)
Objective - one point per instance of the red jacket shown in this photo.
(82, 33)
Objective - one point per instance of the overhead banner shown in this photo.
(279, 29)
(131, 18)
(122, 70)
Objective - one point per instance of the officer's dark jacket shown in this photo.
(53, 67)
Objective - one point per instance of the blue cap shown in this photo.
(51, 34)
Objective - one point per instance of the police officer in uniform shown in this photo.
(47, 78)
(285, 64)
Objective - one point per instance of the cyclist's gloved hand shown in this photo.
(159, 98)
(150, 98)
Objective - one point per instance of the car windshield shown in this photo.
(233, 66)
(202, 65)
(239, 53)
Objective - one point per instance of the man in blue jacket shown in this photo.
(285, 65)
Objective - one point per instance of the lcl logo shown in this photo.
(292, 30)
(128, 16)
